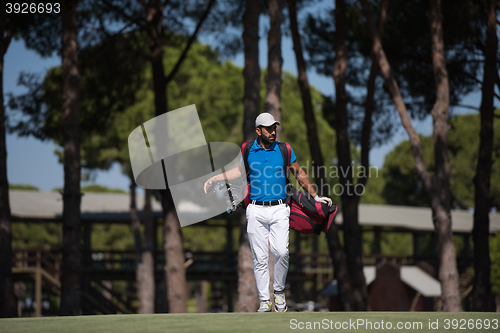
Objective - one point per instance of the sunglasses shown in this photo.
(269, 129)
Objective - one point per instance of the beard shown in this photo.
(268, 139)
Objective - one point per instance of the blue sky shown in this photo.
(30, 161)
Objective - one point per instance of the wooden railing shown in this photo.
(220, 260)
(42, 265)
(41, 258)
(111, 260)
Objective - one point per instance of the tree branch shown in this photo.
(102, 28)
(125, 27)
(481, 82)
(125, 15)
(110, 37)
(188, 46)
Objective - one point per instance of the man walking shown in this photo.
(268, 214)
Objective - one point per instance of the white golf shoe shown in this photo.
(265, 306)
(280, 302)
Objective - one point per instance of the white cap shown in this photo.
(265, 119)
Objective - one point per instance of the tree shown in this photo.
(309, 118)
(403, 187)
(336, 251)
(152, 24)
(70, 272)
(247, 290)
(110, 78)
(64, 36)
(321, 42)
(144, 252)
(437, 187)
(7, 297)
(113, 148)
(352, 117)
(274, 62)
(481, 294)
(352, 230)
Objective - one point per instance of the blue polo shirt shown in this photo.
(267, 174)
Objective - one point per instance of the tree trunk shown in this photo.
(7, 298)
(352, 230)
(135, 225)
(437, 187)
(274, 63)
(482, 299)
(70, 275)
(144, 257)
(174, 253)
(448, 272)
(201, 296)
(174, 258)
(148, 265)
(370, 103)
(305, 92)
(340, 272)
(247, 290)
(251, 70)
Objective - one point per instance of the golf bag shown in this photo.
(306, 214)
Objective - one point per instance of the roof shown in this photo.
(33, 205)
(419, 280)
(413, 276)
(369, 272)
(415, 218)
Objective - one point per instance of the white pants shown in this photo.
(268, 224)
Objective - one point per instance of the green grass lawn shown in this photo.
(259, 322)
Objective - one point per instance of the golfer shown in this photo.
(268, 213)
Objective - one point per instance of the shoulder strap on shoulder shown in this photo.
(245, 149)
(289, 151)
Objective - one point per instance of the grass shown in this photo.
(252, 322)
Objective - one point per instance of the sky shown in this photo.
(30, 161)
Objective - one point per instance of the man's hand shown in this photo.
(232, 174)
(324, 200)
(208, 183)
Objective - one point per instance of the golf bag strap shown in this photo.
(286, 154)
(245, 149)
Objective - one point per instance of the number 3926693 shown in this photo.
(32, 8)
(463, 324)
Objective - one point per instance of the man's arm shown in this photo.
(305, 183)
(232, 174)
(302, 178)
